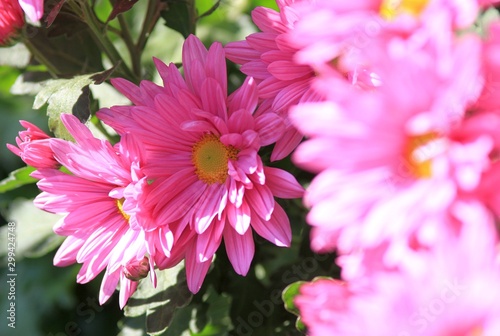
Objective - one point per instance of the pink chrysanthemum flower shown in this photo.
(381, 153)
(203, 152)
(33, 147)
(269, 59)
(32, 8)
(103, 204)
(11, 20)
(455, 293)
(331, 33)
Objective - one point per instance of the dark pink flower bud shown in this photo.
(33, 147)
(136, 270)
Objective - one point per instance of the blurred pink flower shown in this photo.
(203, 152)
(269, 59)
(11, 20)
(381, 153)
(33, 147)
(102, 201)
(32, 8)
(454, 293)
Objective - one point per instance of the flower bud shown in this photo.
(136, 270)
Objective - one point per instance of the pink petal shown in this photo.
(240, 249)
(270, 127)
(246, 97)
(195, 270)
(277, 230)
(282, 184)
(209, 241)
(66, 254)
(239, 218)
(284, 146)
(261, 200)
(108, 285)
(268, 20)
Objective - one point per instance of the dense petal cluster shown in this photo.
(210, 183)
(405, 167)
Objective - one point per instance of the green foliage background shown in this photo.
(48, 300)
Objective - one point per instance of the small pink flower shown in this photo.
(11, 20)
(210, 183)
(136, 270)
(33, 147)
(104, 208)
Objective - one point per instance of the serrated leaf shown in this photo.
(17, 178)
(180, 15)
(159, 304)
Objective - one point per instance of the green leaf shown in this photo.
(17, 178)
(180, 15)
(33, 229)
(289, 294)
(160, 303)
(68, 96)
(217, 313)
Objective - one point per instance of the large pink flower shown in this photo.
(11, 20)
(203, 152)
(33, 147)
(454, 292)
(269, 59)
(103, 203)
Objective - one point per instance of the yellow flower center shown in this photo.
(419, 152)
(392, 8)
(119, 205)
(210, 158)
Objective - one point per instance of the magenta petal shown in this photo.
(282, 183)
(239, 218)
(127, 288)
(277, 230)
(66, 254)
(284, 146)
(240, 249)
(209, 241)
(207, 207)
(246, 97)
(195, 271)
(261, 200)
(270, 127)
(108, 285)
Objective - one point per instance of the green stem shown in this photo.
(102, 39)
(125, 34)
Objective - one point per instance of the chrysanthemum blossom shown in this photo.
(269, 59)
(456, 293)
(33, 147)
(203, 152)
(331, 33)
(11, 20)
(102, 201)
(32, 8)
(381, 153)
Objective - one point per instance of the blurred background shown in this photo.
(48, 299)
